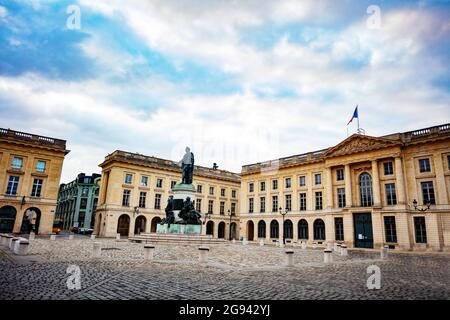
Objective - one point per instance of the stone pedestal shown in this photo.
(92, 236)
(53, 237)
(70, 236)
(344, 251)
(203, 255)
(303, 245)
(179, 228)
(12, 243)
(32, 236)
(23, 247)
(97, 250)
(384, 252)
(148, 252)
(289, 258)
(261, 242)
(327, 256)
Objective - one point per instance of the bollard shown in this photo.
(289, 258)
(148, 251)
(7, 240)
(304, 245)
(233, 241)
(17, 244)
(344, 251)
(53, 237)
(118, 236)
(261, 243)
(244, 242)
(97, 250)
(92, 236)
(327, 256)
(31, 236)
(329, 245)
(70, 236)
(24, 246)
(4, 240)
(339, 248)
(12, 243)
(335, 248)
(203, 254)
(384, 252)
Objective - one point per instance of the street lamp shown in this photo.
(229, 229)
(283, 213)
(423, 208)
(136, 211)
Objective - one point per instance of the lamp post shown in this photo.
(283, 213)
(423, 208)
(229, 228)
(136, 211)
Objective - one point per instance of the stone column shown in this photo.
(348, 186)
(400, 182)
(441, 187)
(309, 194)
(329, 188)
(376, 184)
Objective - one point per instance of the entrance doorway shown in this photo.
(363, 230)
(140, 224)
(221, 230)
(154, 225)
(123, 225)
(250, 230)
(7, 219)
(210, 228)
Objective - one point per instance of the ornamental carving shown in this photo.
(357, 145)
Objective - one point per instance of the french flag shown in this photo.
(355, 115)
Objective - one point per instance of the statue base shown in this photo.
(179, 229)
(180, 193)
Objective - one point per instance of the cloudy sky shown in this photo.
(238, 81)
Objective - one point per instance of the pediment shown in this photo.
(359, 143)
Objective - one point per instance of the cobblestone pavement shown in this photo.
(234, 271)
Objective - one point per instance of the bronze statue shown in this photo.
(170, 217)
(187, 167)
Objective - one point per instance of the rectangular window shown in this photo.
(40, 166)
(288, 202)
(288, 183)
(222, 192)
(17, 163)
(274, 203)
(303, 201)
(341, 197)
(198, 205)
(250, 187)
(319, 204)
(302, 181)
(250, 205)
(340, 175)
(128, 178)
(13, 184)
(339, 229)
(142, 199)
(172, 184)
(318, 179)
(210, 206)
(233, 193)
(262, 204)
(222, 207)
(37, 188)
(157, 201)
(159, 183)
(274, 184)
(199, 188)
(390, 229)
(126, 198)
(388, 169)
(424, 165)
(84, 192)
(83, 203)
(144, 181)
(263, 186)
(391, 197)
(428, 192)
(211, 191)
(233, 208)
(420, 229)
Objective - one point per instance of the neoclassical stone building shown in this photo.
(135, 188)
(361, 192)
(30, 172)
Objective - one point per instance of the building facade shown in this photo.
(30, 172)
(360, 192)
(77, 202)
(135, 188)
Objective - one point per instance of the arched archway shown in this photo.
(288, 229)
(154, 225)
(7, 219)
(319, 229)
(140, 224)
(365, 190)
(31, 220)
(123, 225)
(261, 229)
(250, 230)
(274, 229)
(210, 228)
(233, 230)
(221, 230)
(303, 229)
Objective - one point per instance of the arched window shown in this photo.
(288, 230)
(261, 229)
(319, 229)
(274, 232)
(303, 229)
(365, 189)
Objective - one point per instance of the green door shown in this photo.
(363, 230)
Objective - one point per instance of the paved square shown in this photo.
(234, 271)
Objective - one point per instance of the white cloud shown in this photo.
(3, 12)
